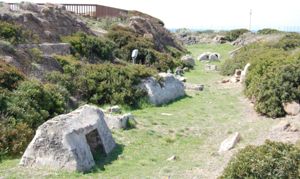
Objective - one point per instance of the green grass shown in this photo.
(193, 132)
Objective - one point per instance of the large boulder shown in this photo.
(69, 141)
(188, 60)
(163, 92)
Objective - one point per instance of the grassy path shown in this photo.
(191, 129)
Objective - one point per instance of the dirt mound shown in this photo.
(151, 27)
(48, 22)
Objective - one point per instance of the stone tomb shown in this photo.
(70, 141)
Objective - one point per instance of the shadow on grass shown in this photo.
(102, 159)
(176, 100)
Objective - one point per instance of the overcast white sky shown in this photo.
(210, 14)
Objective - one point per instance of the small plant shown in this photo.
(271, 160)
(36, 54)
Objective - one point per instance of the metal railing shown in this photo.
(92, 10)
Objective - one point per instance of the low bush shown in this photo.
(33, 103)
(9, 76)
(11, 32)
(127, 40)
(234, 34)
(271, 160)
(112, 84)
(268, 31)
(14, 138)
(273, 79)
(92, 48)
(289, 42)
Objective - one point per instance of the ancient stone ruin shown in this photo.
(70, 141)
(169, 89)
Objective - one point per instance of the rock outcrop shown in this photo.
(48, 22)
(149, 26)
(69, 141)
(163, 92)
(292, 108)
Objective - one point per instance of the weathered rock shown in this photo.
(29, 6)
(220, 39)
(213, 56)
(118, 121)
(195, 87)
(69, 141)
(284, 126)
(292, 108)
(179, 71)
(164, 92)
(114, 109)
(181, 78)
(209, 67)
(173, 157)
(188, 60)
(186, 69)
(203, 56)
(244, 72)
(230, 142)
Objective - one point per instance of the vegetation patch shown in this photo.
(271, 160)
(232, 35)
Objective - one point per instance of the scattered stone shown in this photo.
(220, 39)
(114, 109)
(230, 142)
(69, 141)
(188, 60)
(179, 71)
(209, 67)
(163, 92)
(203, 56)
(181, 78)
(292, 108)
(118, 121)
(225, 81)
(166, 114)
(195, 87)
(186, 69)
(173, 157)
(284, 126)
(213, 56)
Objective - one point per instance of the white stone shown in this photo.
(114, 109)
(68, 141)
(203, 56)
(195, 87)
(188, 60)
(229, 142)
(118, 121)
(292, 108)
(163, 92)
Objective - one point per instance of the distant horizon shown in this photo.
(210, 14)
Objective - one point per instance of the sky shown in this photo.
(211, 14)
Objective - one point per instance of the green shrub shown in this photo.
(241, 58)
(289, 42)
(9, 76)
(112, 84)
(11, 32)
(14, 138)
(36, 54)
(234, 34)
(127, 40)
(32, 103)
(92, 48)
(268, 31)
(271, 160)
(273, 78)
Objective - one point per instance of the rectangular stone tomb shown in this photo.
(70, 141)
